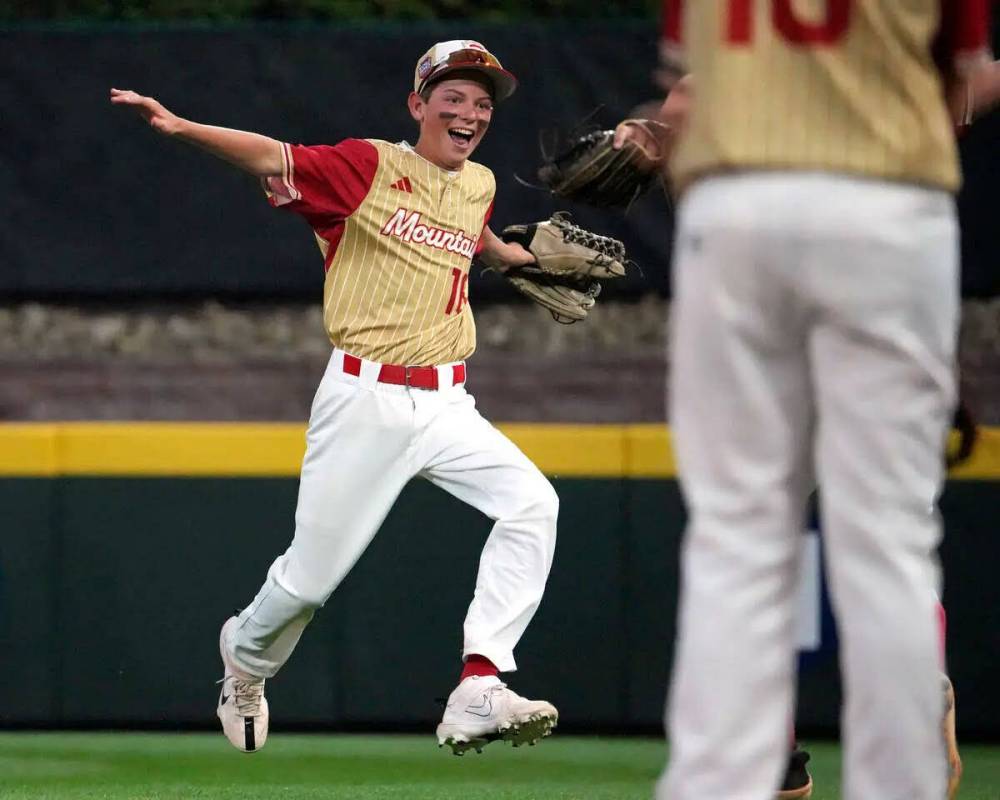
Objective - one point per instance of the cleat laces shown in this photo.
(247, 696)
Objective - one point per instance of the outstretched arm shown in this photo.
(251, 152)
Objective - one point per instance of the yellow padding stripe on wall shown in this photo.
(150, 449)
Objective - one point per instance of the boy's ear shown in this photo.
(417, 106)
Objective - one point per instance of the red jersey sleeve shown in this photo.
(324, 183)
(672, 22)
(671, 43)
(486, 221)
(963, 41)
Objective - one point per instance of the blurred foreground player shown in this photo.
(814, 334)
(398, 227)
(983, 93)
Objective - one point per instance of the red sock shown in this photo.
(478, 665)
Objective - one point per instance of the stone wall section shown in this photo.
(213, 361)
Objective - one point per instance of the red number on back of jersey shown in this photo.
(788, 23)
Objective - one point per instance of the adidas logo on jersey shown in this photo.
(406, 225)
(403, 184)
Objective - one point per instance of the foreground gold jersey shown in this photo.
(848, 86)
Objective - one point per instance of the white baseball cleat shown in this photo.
(242, 705)
(482, 710)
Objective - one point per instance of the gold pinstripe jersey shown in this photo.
(852, 86)
(397, 235)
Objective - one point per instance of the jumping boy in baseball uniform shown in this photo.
(398, 227)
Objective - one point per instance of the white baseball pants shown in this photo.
(813, 337)
(365, 441)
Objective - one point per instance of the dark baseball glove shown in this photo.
(569, 262)
(589, 169)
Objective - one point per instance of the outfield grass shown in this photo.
(137, 766)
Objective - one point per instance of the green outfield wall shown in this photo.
(124, 546)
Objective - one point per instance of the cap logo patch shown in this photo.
(424, 68)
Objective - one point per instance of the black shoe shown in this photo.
(798, 782)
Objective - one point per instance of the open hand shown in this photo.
(150, 109)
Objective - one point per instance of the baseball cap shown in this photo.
(464, 54)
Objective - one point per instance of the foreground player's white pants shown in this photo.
(365, 441)
(814, 324)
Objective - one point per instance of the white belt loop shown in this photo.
(335, 367)
(369, 374)
(369, 370)
(446, 377)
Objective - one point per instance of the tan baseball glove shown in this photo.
(569, 263)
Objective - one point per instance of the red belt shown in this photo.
(417, 377)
